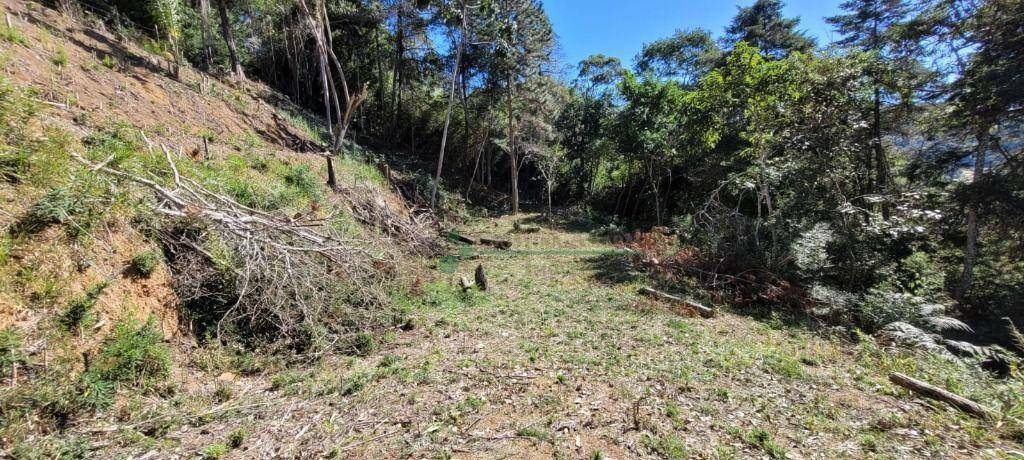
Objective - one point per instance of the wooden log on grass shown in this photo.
(499, 244)
(455, 236)
(690, 303)
(925, 389)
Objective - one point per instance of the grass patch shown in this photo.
(12, 35)
(78, 314)
(133, 354)
(145, 263)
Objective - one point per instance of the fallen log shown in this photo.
(966, 405)
(499, 244)
(481, 277)
(461, 238)
(701, 309)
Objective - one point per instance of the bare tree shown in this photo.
(451, 102)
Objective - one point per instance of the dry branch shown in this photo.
(690, 303)
(933, 392)
(288, 271)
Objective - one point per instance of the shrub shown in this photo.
(78, 314)
(145, 263)
(133, 354)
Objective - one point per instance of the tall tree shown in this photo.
(460, 39)
(687, 55)
(526, 42)
(873, 26)
(763, 26)
(227, 30)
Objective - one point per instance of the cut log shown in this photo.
(464, 283)
(966, 405)
(481, 277)
(461, 238)
(704, 311)
(500, 244)
(518, 227)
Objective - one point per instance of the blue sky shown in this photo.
(620, 28)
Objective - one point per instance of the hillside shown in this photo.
(177, 281)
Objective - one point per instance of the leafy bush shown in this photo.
(78, 314)
(145, 263)
(133, 354)
(60, 59)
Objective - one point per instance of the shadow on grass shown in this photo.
(613, 268)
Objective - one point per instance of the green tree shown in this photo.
(763, 26)
(687, 55)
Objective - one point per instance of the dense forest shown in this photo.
(870, 179)
(248, 228)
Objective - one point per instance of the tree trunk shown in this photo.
(229, 37)
(204, 19)
(513, 161)
(881, 164)
(971, 245)
(448, 113)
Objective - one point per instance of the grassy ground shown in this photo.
(562, 359)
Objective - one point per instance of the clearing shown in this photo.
(561, 358)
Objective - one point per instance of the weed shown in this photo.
(78, 313)
(237, 437)
(670, 447)
(12, 35)
(223, 393)
(110, 62)
(301, 178)
(215, 451)
(56, 207)
(761, 438)
(60, 58)
(534, 432)
(134, 353)
(145, 263)
(363, 344)
(10, 349)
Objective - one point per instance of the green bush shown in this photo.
(78, 313)
(133, 354)
(145, 263)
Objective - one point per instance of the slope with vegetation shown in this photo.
(192, 263)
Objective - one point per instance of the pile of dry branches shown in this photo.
(276, 276)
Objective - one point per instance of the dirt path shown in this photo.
(562, 359)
